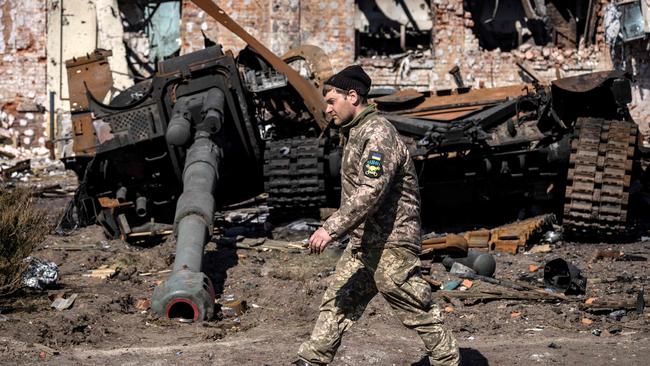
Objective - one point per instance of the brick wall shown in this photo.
(279, 25)
(22, 69)
(283, 24)
(455, 44)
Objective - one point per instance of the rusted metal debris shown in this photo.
(446, 105)
(450, 244)
(489, 148)
(511, 238)
(515, 237)
(87, 73)
(564, 276)
(90, 72)
(584, 83)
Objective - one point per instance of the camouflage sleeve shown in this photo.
(376, 168)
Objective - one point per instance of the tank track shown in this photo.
(294, 176)
(599, 175)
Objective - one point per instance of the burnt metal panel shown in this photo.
(587, 82)
(132, 126)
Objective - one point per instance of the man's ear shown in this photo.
(354, 97)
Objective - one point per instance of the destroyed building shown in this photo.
(401, 44)
(486, 65)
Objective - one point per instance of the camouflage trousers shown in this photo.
(395, 274)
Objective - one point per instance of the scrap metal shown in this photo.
(312, 98)
(87, 73)
(510, 238)
(515, 237)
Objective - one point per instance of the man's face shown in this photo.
(340, 107)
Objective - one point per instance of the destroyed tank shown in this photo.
(495, 155)
(211, 130)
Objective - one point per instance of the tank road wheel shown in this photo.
(600, 169)
(294, 177)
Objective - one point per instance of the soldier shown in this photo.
(380, 210)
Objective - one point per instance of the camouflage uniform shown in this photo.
(380, 205)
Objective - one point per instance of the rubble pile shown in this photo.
(455, 43)
(23, 154)
(17, 135)
(26, 162)
(544, 58)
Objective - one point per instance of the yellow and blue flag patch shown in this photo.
(373, 167)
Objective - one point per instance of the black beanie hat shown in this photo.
(351, 78)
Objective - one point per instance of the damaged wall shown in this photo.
(280, 25)
(634, 57)
(456, 43)
(22, 66)
(75, 28)
(36, 36)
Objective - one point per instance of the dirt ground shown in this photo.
(109, 322)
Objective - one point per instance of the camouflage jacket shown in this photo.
(380, 199)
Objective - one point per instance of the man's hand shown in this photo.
(319, 241)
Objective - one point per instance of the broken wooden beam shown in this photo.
(516, 285)
(602, 304)
(494, 294)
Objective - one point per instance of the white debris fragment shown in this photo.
(612, 22)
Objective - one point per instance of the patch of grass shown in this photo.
(22, 227)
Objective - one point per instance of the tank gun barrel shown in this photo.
(188, 293)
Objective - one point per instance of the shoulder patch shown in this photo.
(373, 167)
